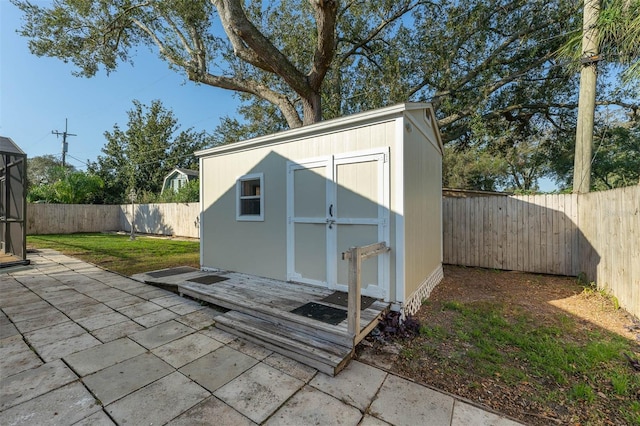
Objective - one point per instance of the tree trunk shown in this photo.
(587, 99)
(312, 109)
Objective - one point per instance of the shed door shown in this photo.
(335, 203)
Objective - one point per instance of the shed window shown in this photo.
(250, 197)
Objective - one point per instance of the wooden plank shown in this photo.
(535, 229)
(355, 285)
(512, 237)
(569, 233)
(320, 366)
(307, 344)
(486, 238)
(472, 232)
(479, 208)
(543, 234)
(551, 212)
(575, 254)
(447, 230)
(556, 235)
(456, 251)
(521, 232)
(500, 231)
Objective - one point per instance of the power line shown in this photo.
(65, 145)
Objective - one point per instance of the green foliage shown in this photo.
(616, 155)
(617, 35)
(45, 169)
(621, 383)
(188, 193)
(582, 392)
(145, 151)
(71, 187)
(472, 168)
(433, 332)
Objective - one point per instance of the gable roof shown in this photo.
(187, 172)
(7, 145)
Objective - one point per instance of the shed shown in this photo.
(178, 178)
(13, 204)
(285, 206)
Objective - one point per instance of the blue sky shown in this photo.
(37, 94)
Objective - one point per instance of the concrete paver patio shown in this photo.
(81, 345)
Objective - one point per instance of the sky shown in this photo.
(37, 94)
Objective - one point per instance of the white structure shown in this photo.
(285, 206)
(178, 178)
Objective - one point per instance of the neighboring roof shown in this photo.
(333, 125)
(177, 170)
(9, 146)
(187, 172)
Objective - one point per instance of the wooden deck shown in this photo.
(260, 311)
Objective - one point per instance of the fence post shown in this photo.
(355, 283)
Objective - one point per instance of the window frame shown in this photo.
(240, 197)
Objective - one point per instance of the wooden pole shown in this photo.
(587, 99)
(355, 283)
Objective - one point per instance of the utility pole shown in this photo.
(65, 145)
(587, 98)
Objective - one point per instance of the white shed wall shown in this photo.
(260, 248)
(422, 203)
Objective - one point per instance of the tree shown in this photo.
(140, 155)
(44, 169)
(616, 160)
(188, 193)
(72, 187)
(473, 168)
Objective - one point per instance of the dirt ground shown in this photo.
(542, 296)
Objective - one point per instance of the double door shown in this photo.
(334, 203)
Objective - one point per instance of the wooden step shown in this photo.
(277, 316)
(308, 349)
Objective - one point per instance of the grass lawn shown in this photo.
(118, 253)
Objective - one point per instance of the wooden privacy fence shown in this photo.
(162, 219)
(71, 218)
(535, 233)
(597, 234)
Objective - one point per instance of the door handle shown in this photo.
(331, 210)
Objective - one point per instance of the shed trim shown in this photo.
(399, 211)
(323, 127)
